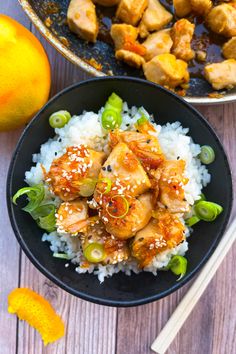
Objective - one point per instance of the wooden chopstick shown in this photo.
(183, 310)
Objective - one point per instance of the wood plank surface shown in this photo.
(9, 249)
(94, 329)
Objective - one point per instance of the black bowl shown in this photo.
(120, 290)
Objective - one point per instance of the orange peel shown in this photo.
(37, 311)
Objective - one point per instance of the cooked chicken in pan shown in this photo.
(148, 36)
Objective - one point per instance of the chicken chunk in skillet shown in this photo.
(131, 11)
(113, 249)
(107, 3)
(172, 180)
(222, 19)
(128, 49)
(163, 232)
(221, 75)
(182, 7)
(145, 146)
(157, 43)
(201, 7)
(82, 19)
(182, 34)
(123, 35)
(124, 170)
(166, 70)
(154, 18)
(71, 174)
(229, 49)
(72, 217)
(124, 215)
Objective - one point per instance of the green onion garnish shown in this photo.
(61, 255)
(45, 217)
(111, 116)
(110, 119)
(87, 186)
(118, 207)
(207, 211)
(95, 252)
(192, 221)
(143, 119)
(207, 154)
(59, 119)
(35, 196)
(178, 266)
(115, 101)
(108, 184)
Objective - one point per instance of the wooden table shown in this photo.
(94, 329)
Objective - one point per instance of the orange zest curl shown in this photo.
(37, 311)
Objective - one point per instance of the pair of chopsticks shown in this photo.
(183, 310)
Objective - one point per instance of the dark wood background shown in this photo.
(94, 329)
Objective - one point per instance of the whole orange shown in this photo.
(25, 77)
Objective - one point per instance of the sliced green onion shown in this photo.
(143, 119)
(111, 116)
(111, 119)
(178, 266)
(87, 186)
(61, 255)
(207, 211)
(115, 101)
(207, 154)
(108, 184)
(118, 204)
(45, 217)
(59, 119)
(94, 252)
(192, 221)
(35, 196)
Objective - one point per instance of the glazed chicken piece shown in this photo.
(116, 250)
(124, 169)
(155, 18)
(74, 171)
(123, 34)
(107, 3)
(182, 7)
(229, 49)
(201, 7)
(222, 19)
(124, 37)
(131, 11)
(72, 217)
(127, 48)
(145, 146)
(172, 180)
(158, 43)
(137, 215)
(82, 19)
(166, 70)
(163, 232)
(221, 75)
(182, 34)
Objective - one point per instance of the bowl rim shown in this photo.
(53, 278)
(74, 59)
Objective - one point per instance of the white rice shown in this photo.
(86, 129)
